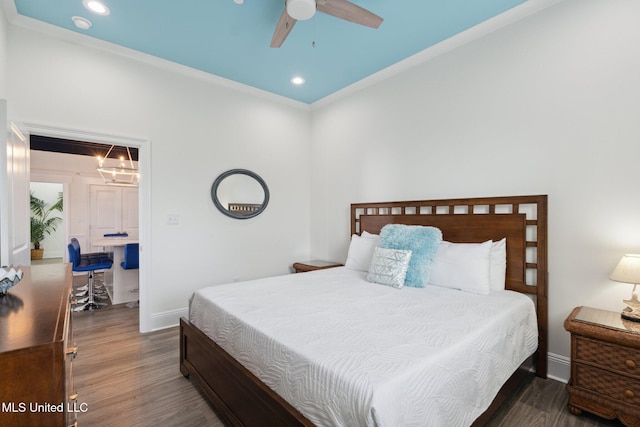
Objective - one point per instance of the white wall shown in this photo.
(197, 130)
(549, 105)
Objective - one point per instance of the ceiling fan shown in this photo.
(300, 10)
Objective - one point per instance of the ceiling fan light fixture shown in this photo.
(301, 10)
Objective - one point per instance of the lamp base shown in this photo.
(630, 316)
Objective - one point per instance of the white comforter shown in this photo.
(346, 352)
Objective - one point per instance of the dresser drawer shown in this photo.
(609, 356)
(618, 387)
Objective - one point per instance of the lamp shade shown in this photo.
(301, 10)
(627, 270)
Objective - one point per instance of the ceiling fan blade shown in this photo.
(283, 28)
(346, 10)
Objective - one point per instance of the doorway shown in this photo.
(51, 245)
(142, 149)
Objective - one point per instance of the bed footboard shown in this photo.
(236, 394)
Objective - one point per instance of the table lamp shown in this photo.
(628, 271)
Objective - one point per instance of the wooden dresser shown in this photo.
(605, 365)
(36, 351)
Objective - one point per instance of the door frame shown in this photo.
(144, 199)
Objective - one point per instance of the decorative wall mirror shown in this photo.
(240, 193)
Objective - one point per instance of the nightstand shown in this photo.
(304, 266)
(605, 365)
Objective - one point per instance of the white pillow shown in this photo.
(361, 251)
(498, 267)
(463, 266)
(389, 267)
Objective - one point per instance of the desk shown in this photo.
(122, 285)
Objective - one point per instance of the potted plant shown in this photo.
(42, 222)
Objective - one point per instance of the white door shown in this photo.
(4, 200)
(15, 245)
(106, 210)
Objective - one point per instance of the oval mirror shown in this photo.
(240, 193)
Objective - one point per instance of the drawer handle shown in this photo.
(630, 363)
(629, 394)
(73, 397)
(72, 351)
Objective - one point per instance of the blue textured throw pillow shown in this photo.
(421, 241)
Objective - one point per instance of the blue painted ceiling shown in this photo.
(232, 40)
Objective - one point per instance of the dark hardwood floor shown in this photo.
(130, 379)
(543, 403)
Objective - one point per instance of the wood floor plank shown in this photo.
(543, 403)
(133, 379)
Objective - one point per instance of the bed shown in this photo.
(236, 385)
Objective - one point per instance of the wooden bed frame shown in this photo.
(241, 399)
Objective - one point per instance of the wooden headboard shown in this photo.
(521, 219)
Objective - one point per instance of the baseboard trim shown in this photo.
(168, 319)
(558, 367)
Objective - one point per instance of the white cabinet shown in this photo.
(114, 209)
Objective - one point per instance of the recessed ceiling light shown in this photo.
(80, 22)
(239, 1)
(96, 7)
(297, 80)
